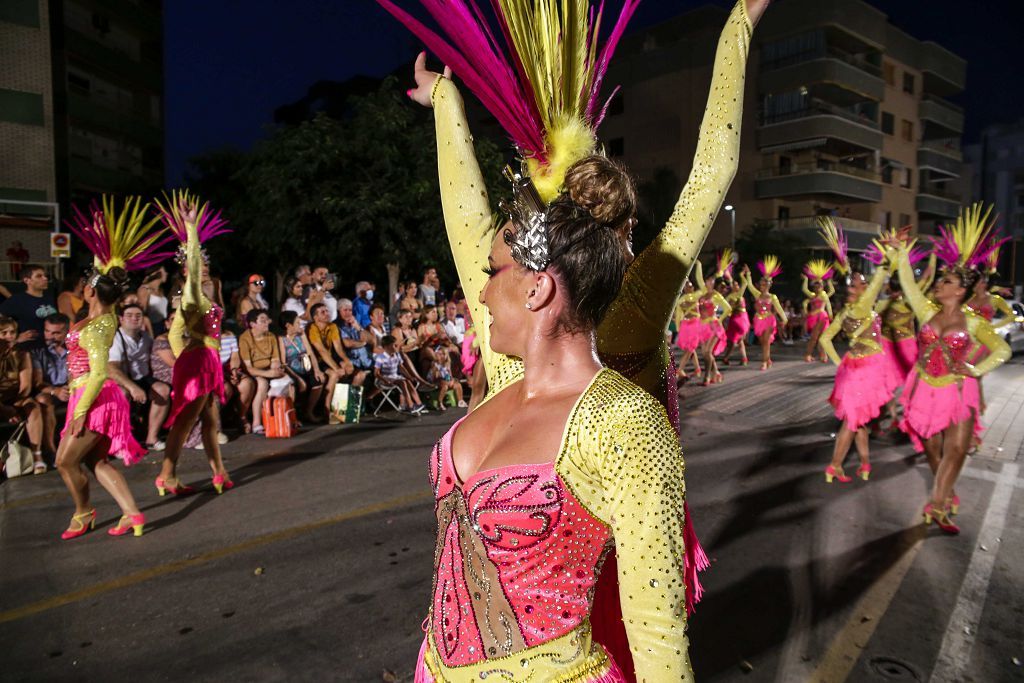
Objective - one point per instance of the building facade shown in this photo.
(844, 115)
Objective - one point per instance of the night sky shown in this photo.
(229, 64)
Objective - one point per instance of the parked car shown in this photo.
(1014, 332)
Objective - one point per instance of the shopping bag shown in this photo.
(17, 457)
(346, 404)
(279, 418)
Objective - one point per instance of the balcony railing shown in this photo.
(819, 166)
(941, 101)
(828, 52)
(942, 193)
(948, 146)
(811, 222)
(817, 107)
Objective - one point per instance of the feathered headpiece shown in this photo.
(834, 237)
(969, 243)
(770, 266)
(992, 260)
(876, 252)
(119, 237)
(818, 269)
(181, 203)
(725, 260)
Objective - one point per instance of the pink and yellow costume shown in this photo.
(817, 307)
(766, 308)
(95, 397)
(943, 390)
(994, 304)
(711, 324)
(689, 333)
(864, 381)
(739, 321)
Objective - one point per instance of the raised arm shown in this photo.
(748, 283)
(928, 276)
(919, 303)
(645, 302)
(700, 286)
(998, 350)
(999, 303)
(825, 341)
(803, 286)
(721, 302)
(96, 338)
(828, 303)
(830, 288)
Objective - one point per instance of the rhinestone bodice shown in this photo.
(78, 357)
(898, 321)
(763, 307)
(707, 309)
(945, 355)
(986, 310)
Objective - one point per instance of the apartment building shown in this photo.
(844, 114)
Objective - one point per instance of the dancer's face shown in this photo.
(816, 287)
(505, 295)
(687, 287)
(950, 289)
(982, 286)
(764, 284)
(857, 284)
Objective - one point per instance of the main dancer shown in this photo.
(817, 304)
(688, 328)
(675, 248)
(97, 424)
(198, 386)
(941, 402)
(712, 331)
(864, 380)
(766, 306)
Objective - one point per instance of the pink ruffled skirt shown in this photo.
(862, 388)
(814, 319)
(712, 329)
(469, 355)
(197, 372)
(689, 335)
(902, 357)
(928, 410)
(766, 324)
(738, 327)
(109, 415)
(423, 675)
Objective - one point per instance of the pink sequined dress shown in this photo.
(817, 314)
(710, 326)
(739, 322)
(864, 381)
(94, 396)
(764, 318)
(198, 371)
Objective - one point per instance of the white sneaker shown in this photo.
(157, 446)
(463, 404)
(222, 438)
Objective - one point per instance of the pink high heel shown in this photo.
(173, 486)
(941, 518)
(954, 506)
(86, 521)
(836, 473)
(221, 482)
(864, 471)
(129, 523)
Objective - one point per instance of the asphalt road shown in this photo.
(317, 566)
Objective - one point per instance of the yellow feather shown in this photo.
(567, 143)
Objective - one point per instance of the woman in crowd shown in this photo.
(817, 305)
(864, 381)
(198, 381)
(687, 317)
(766, 306)
(153, 298)
(407, 301)
(433, 340)
(70, 301)
(712, 331)
(942, 402)
(378, 325)
(408, 344)
(16, 402)
(252, 298)
(260, 352)
(292, 301)
(239, 387)
(97, 424)
(298, 362)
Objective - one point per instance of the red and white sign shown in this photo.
(60, 244)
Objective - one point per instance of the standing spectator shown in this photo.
(453, 323)
(50, 376)
(70, 301)
(18, 256)
(363, 302)
(261, 354)
(239, 387)
(429, 288)
(298, 362)
(407, 301)
(16, 402)
(253, 299)
(129, 365)
(330, 354)
(31, 307)
(390, 371)
(292, 301)
(318, 276)
(153, 298)
(304, 275)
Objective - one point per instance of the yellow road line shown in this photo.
(849, 643)
(180, 565)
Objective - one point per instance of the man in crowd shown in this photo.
(429, 289)
(50, 376)
(358, 342)
(31, 307)
(453, 323)
(364, 300)
(128, 365)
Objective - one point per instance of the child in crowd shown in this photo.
(441, 375)
(390, 372)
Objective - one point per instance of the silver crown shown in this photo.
(527, 211)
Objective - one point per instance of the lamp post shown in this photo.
(732, 215)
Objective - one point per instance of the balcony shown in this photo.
(818, 178)
(944, 72)
(123, 122)
(811, 223)
(845, 72)
(81, 46)
(943, 156)
(942, 113)
(819, 120)
(937, 203)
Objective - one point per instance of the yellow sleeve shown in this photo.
(831, 288)
(701, 287)
(999, 303)
(723, 304)
(998, 350)
(825, 341)
(805, 305)
(467, 219)
(929, 275)
(194, 303)
(828, 303)
(923, 308)
(176, 335)
(882, 305)
(644, 304)
(96, 339)
(779, 310)
(803, 285)
(749, 284)
(865, 303)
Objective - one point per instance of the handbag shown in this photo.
(16, 456)
(346, 404)
(304, 359)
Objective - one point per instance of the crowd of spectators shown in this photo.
(304, 349)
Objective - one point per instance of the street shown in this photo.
(317, 566)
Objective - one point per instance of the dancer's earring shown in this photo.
(529, 305)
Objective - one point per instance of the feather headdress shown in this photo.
(120, 237)
(181, 203)
(818, 269)
(992, 260)
(971, 241)
(541, 80)
(770, 266)
(834, 237)
(725, 260)
(876, 252)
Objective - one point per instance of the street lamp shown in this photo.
(732, 214)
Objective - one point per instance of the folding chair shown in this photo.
(386, 390)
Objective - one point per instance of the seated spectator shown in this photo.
(330, 354)
(378, 325)
(434, 341)
(70, 301)
(453, 323)
(252, 299)
(298, 362)
(132, 299)
(31, 307)
(363, 302)
(153, 298)
(293, 301)
(358, 342)
(16, 402)
(389, 370)
(408, 344)
(239, 386)
(441, 374)
(407, 301)
(260, 352)
(50, 377)
(128, 365)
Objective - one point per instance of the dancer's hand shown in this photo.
(425, 80)
(755, 8)
(78, 426)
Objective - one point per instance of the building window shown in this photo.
(617, 105)
(908, 83)
(890, 74)
(904, 220)
(906, 179)
(888, 219)
(783, 214)
(616, 147)
(22, 12)
(21, 107)
(888, 123)
(887, 174)
(907, 130)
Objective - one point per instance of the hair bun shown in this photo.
(602, 188)
(119, 277)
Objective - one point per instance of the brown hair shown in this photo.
(602, 188)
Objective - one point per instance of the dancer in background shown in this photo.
(983, 301)
(688, 329)
(941, 402)
(198, 379)
(712, 331)
(97, 424)
(766, 306)
(818, 304)
(864, 380)
(739, 320)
